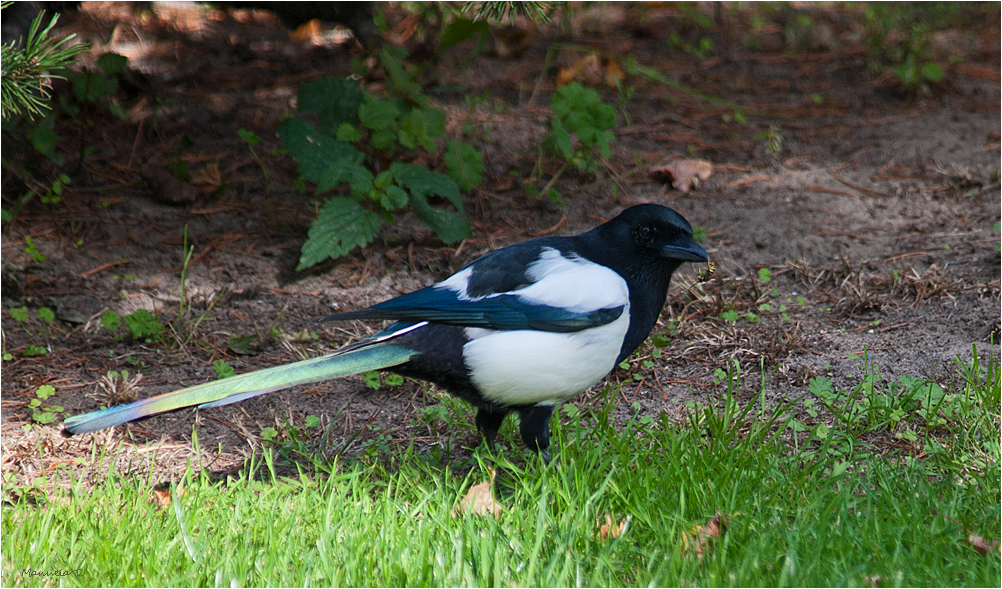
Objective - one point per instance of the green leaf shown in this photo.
(335, 100)
(45, 391)
(764, 274)
(112, 64)
(394, 380)
(384, 139)
(341, 227)
(33, 350)
(421, 127)
(393, 198)
(820, 385)
(464, 164)
(43, 416)
(44, 138)
(422, 182)
(46, 314)
(111, 320)
(400, 82)
(311, 421)
(358, 178)
(316, 152)
(20, 314)
(730, 315)
(371, 379)
(932, 72)
(384, 180)
(269, 433)
(142, 324)
(448, 226)
(561, 138)
(462, 30)
(378, 115)
(223, 369)
(241, 344)
(249, 137)
(348, 132)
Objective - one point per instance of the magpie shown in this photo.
(516, 330)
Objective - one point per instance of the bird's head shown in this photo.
(646, 240)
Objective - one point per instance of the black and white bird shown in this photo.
(517, 330)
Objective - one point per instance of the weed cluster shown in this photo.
(356, 137)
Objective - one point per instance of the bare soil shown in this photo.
(875, 219)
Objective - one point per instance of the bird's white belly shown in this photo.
(525, 366)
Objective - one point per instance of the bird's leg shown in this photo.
(489, 422)
(535, 429)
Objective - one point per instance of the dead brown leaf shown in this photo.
(161, 496)
(307, 31)
(480, 500)
(592, 70)
(684, 175)
(167, 188)
(700, 539)
(587, 70)
(981, 545)
(208, 178)
(610, 529)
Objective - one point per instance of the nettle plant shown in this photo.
(359, 146)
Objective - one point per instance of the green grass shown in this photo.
(810, 513)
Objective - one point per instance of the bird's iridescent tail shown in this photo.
(244, 386)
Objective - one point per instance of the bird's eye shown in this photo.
(645, 232)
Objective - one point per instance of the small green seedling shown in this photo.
(223, 369)
(42, 413)
(32, 250)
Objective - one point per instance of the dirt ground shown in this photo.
(877, 212)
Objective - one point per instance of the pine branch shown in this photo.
(498, 11)
(26, 73)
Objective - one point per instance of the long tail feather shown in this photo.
(244, 386)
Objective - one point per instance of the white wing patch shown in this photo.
(458, 283)
(527, 366)
(574, 284)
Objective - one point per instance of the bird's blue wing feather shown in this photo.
(502, 312)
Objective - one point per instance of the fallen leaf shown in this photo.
(592, 70)
(610, 529)
(613, 74)
(587, 70)
(208, 178)
(480, 500)
(167, 188)
(699, 540)
(307, 31)
(161, 496)
(684, 175)
(510, 42)
(981, 545)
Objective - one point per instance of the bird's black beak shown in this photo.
(690, 252)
